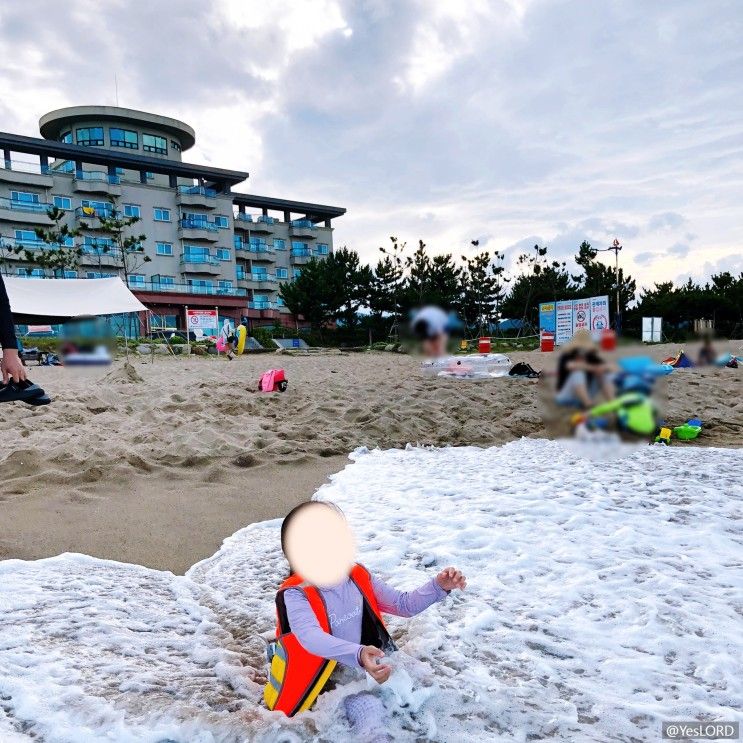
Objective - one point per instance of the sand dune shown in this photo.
(156, 462)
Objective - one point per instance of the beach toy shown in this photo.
(644, 365)
(687, 432)
(221, 344)
(694, 422)
(242, 335)
(664, 437)
(274, 380)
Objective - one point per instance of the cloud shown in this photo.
(436, 120)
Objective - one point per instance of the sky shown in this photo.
(512, 122)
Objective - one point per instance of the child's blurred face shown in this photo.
(320, 545)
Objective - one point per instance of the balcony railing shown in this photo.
(262, 248)
(199, 224)
(99, 176)
(215, 291)
(198, 258)
(40, 207)
(308, 224)
(262, 305)
(243, 217)
(198, 191)
(24, 166)
(265, 219)
(88, 212)
(302, 253)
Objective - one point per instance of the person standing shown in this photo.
(11, 364)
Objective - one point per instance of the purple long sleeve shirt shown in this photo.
(344, 603)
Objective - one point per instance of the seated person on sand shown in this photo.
(329, 612)
(431, 326)
(581, 373)
(707, 355)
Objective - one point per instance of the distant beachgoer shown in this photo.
(707, 355)
(581, 373)
(11, 364)
(431, 325)
(341, 623)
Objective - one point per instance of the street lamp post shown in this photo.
(615, 247)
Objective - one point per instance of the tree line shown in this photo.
(342, 290)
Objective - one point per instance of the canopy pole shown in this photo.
(188, 334)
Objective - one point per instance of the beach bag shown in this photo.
(522, 369)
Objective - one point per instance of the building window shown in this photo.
(221, 221)
(64, 274)
(258, 244)
(195, 217)
(322, 249)
(149, 176)
(25, 197)
(26, 236)
(66, 138)
(237, 242)
(296, 273)
(240, 271)
(223, 254)
(279, 244)
(63, 202)
(91, 136)
(161, 215)
(66, 166)
(195, 252)
(300, 248)
(98, 275)
(136, 279)
(201, 284)
(167, 280)
(225, 284)
(98, 245)
(32, 273)
(132, 210)
(175, 145)
(282, 273)
(119, 171)
(164, 248)
(123, 138)
(152, 143)
(279, 302)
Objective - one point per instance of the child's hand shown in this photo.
(368, 658)
(451, 578)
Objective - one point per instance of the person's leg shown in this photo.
(575, 390)
(607, 386)
(365, 714)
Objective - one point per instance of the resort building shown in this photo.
(207, 246)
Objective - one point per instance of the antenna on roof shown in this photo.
(116, 87)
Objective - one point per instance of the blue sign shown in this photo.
(547, 317)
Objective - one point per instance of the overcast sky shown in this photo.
(513, 121)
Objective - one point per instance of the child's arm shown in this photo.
(312, 638)
(407, 603)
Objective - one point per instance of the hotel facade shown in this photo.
(208, 246)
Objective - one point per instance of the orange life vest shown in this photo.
(297, 677)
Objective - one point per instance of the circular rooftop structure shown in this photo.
(54, 123)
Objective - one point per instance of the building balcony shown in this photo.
(97, 182)
(88, 216)
(104, 259)
(201, 265)
(244, 221)
(211, 291)
(259, 281)
(261, 253)
(190, 229)
(25, 174)
(261, 226)
(301, 256)
(262, 305)
(303, 228)
(196, 196)
(30, 212)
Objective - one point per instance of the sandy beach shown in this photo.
(157, 463)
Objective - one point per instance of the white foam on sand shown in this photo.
(603, 598)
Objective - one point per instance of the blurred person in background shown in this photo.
(707, 353)
(582, 375)
(431, 325)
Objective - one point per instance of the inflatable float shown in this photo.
(242, 335)
(473, 366)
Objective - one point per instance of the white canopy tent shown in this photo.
(59, 300)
